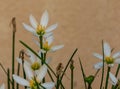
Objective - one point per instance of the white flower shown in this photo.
(48, 46)
(108, 58)
(34, 62)
(32, 79)
(40, 29)
(113, 79)
(2, 86)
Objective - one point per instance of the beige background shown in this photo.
(83, 24)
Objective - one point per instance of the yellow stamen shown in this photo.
(46, 46)
(109, 60)
(33, 83)
(35, 66)
(40, 30)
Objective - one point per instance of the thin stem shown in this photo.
(5, 72)
(107, 77)
(84, 76)
(68, 63)
(58, 82)
(117, 71)
(50, 75)
(8, 77)
(89, 86)
(103, 66)
(13, 49)
(72, 73)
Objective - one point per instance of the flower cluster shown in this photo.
(35, 68)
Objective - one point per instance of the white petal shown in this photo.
(55, 48)
(48, 34)
(98, 56)
(29, 28)
(48, 60)
(116, 55)
(28, 71)
(50, 40)
(44, 19)
(36, 42)
(51, 28)
(117, 61)
(2, 86)
(19, 60)
(113, 79)
(107, 49)
(42, 72)
(20, 80)
(33, 21)
(98, 65)
(31, 56)
(43, 51)
(48, 85)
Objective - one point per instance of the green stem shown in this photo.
(68, 63)
(5, 72)
(89, 86)
(107, 77)
(8, 77)
(50, 76)
(58, 82)
(83, 74)
(13, 49)
(103, 66)
(72, 73)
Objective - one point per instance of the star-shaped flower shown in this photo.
(108, 58)
(33, 79)
(40, 29)
(48, 45)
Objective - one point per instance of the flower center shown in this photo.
(35, 66)
(109, 60)
(33, 84)
(46, 46)
(40, 30)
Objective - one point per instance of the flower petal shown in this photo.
(28, 70)
(107, 49)
(36, 42)
(31, 56)
(51, 28)
(98, 65)
(113, 79)
(33, 21)
(44, 19)
(29, 28)
(20, 80)
(42, 72)
(98, 56)
(48, 85)
(117, 61)
(48, 60)
(48, 34)
(19, 60)
(116, 55)
(50, 40)
(55, 48)
(2, 86)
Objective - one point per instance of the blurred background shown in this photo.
(82, 24)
